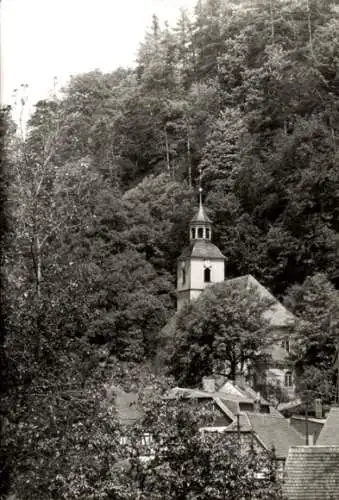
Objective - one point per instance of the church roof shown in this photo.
(200, 216)
(201, 249)
(277, 314)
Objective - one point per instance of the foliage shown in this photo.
(222, 331)
(99, 194)
(314, 349)
(60, 441)
(181, 462)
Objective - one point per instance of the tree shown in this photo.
(222, 330)
(60, 441)
(315, 345)
(183, 463)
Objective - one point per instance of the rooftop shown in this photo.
(201, 249)
(276, 314)
(329, 434)
(275, 431)
(312, 473)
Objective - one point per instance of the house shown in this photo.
(240, 411)
(202, 265)
(309, 427)
(312, 473)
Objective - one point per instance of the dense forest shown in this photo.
(100, 187)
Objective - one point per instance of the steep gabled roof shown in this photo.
(275, 431)
(276, 314)
(312, 473)
(329, 434)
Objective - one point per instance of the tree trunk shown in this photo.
(272, 21)
(309, 25)
(189, 159)
(38, 266)
(167, 151)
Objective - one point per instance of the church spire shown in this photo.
(201, 263)
(201, 225)
(200, 189)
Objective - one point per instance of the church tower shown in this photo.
(201, 263)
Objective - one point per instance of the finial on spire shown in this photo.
(200, 187)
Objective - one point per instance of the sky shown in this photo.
(44, 39)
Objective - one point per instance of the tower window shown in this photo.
(207, 233)
(193, 233)
(286, 344)
(207, 275)
(200, 232)
(288, 379)
(183, 276)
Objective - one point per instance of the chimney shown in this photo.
(240, 379)
(208, 384)
(257, 403)
(318, 409)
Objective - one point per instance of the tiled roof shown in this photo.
(312, 473)
(329, 434)
(198, 394)
(275, 431)
(201, 249)
(242, 389)
(277, 314)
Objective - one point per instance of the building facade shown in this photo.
(200, 265)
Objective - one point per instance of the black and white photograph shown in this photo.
(169, 250)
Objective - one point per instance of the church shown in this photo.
(201, 265)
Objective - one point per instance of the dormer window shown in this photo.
(200, 232)
(207, 275)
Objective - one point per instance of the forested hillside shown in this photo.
(99, 192)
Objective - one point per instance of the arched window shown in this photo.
(288, 379)
(200, 232)
(207, 275)
(183, 276)
(193, 233)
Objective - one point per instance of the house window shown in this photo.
(200, 232)
(288, 379)
(193, 233)
(207, 233)
(207, 275)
